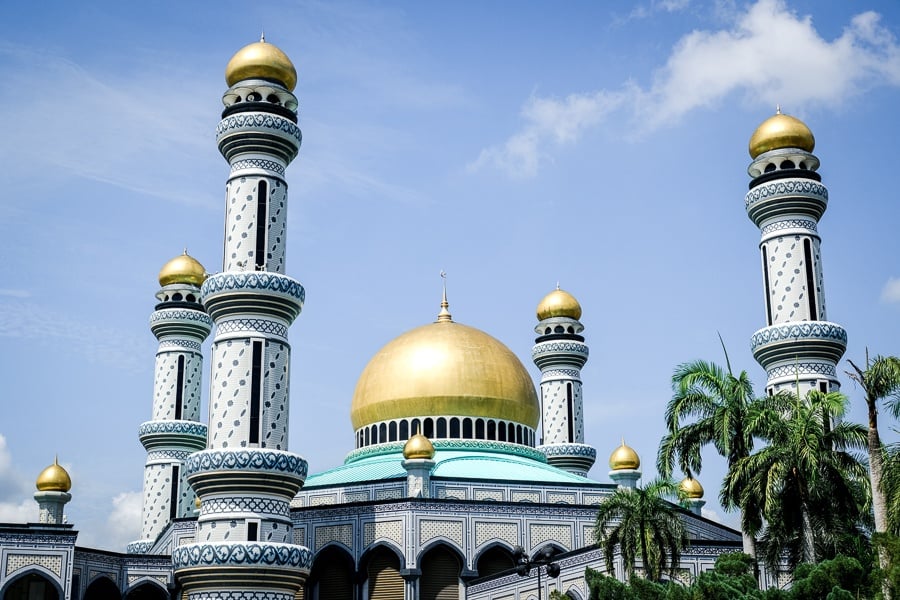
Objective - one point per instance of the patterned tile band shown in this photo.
(258, 121)
(184, 427)
(453, 444)
(242, 554)
(785, 187)
(263, 281)
(569, 450)
(795, 331)
(241, 460)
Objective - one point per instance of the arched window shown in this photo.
(404, 429)
(479, 429)
(454, 427)
(491, 430)
(331, 575)
(501, 431)
(494, 560)
(429, 428)
(382, 433)
(441, 427)
(440, 575)
(467, 429)
(392, 431)
(35, 585)
(519, 439)
(383, 575)
(102, 588)
(511, 432)
(147, 591)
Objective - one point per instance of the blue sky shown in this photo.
(513, 145)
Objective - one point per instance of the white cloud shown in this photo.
(643, 11)
(890, 294)
(768, 55)
(16, 503)
(122, 523)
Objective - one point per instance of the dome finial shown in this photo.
(262, 36)
(444, 315)
(778, 109)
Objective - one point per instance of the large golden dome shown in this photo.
(182, 269)
(781, 131)
(261, 60)
(444, 368)
(54, 479)
(558, 303)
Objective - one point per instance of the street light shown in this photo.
(544, 558)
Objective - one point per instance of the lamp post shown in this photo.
(544, 558)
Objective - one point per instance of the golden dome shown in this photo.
(624, 457)
(182, 269)
(781, 131)
(261, 60)
(198, 502)
(54, 479)
(558, 303)
(418, 446)
(691, 488)
(444, 368)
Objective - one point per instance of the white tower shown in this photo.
(174, 431)
(799, 346)
(560, 353)
(246, 477)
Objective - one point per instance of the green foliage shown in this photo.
(889, 546)
(829, 579)
(734, 564)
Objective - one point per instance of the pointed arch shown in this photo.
(146, 589)
(32, 583)
(494, 559)
(441, 566)
(380, 566)
(332, 574)
(102, 588)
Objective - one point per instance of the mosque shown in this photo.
(466, 481)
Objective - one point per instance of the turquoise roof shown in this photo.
(454, 459)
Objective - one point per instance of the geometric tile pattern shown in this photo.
(336, 533)
(378, 530)
(14, 562)
(559, 534)
(489, 530)
(432, 528)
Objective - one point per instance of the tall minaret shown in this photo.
(246, 477)
(560, 352)
(799, 347)
(174, 431)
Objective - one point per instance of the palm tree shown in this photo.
(642, 524)
(880, 380)
(811, 483)
(717, 402)
(890, 485)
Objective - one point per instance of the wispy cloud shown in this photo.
(122, 524)
(16, 504)
(890, 294)
(95, 343)
(768, 54)
(644, 11)
(14, 293)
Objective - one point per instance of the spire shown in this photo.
(777, 109)
(262, 36)
(444, 315)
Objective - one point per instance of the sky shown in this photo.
(513, 145)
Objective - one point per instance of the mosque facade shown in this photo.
(462, 468)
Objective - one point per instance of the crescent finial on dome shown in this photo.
(444, 316)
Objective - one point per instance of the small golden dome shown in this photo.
(444, 368)
(691, 488)
(261, 60)
(182, 269)
(781, 131)
(558, 303)
(197, 502)
(418, 446)
(624, 457)
(54, 479)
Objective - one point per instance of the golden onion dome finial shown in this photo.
(781, 131)
(624, 457)
(444, 316)
(691, 488)
(418, 446)
(184, 268)
(54, 478)
(261, 60)
(558, 303)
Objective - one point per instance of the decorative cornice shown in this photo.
(449, 444)
(238, 554)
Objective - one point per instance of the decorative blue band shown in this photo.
(140, 547)
(237, 554)
(255, 325)
(545, 347)
(179, 345)
(569, 450)
(258, 121)
(253, 504)
(257, 281)
(257, 163)
(180, 315)
(182, 427)
(282, 462)
(790, 224)
(802, 369)
(795, 331)
(787, 187)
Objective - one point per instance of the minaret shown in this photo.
(246, 477)
(799, 348)
(560, 352)
(180, 325)
(53, 485)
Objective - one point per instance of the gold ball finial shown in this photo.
(261, 60)
(197, 502)
(691, 488)
(418, 446)
(624, 457)
(182, 269)
(781, 131)
(54, 479)
(558, 303)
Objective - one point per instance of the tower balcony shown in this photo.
(559, 352)
(254, 293)
(185, 322)
(279, 569)
(259, 133)
(575, 458)
(183, 435)
(786, 196)
(246, 471)
(797, 342)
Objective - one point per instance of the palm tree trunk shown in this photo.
(809, 541)
(749, 544)
(879, 502)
